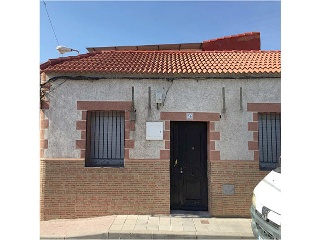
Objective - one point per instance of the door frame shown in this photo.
(181, 195)
(212, 136)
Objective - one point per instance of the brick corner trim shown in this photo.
(44, 105)
(208, 117)
(85, 106)
(104, 105)
(264, 107)
(256, 108)
(44, 125)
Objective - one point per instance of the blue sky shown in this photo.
(83, 24)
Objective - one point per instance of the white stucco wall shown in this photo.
(184, 95)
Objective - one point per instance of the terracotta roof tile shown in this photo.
(167, 62)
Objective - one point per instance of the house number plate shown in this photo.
(189, 116)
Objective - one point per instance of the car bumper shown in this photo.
(263, 229)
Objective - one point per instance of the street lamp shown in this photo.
(63, 49)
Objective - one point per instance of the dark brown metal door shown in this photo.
(188, 166)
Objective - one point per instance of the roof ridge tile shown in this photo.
(233, 36)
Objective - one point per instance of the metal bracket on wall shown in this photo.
(241, 107)
(133, 110)
(223, 100)
(149, 98)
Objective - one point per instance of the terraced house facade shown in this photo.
(150, 129)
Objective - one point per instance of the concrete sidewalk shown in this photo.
(173, 226)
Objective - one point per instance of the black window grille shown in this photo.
(105, 138)
(269, 133)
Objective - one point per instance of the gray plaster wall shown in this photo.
(183, 95)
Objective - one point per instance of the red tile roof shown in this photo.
(168, 62)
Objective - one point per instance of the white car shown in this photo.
(266, 206)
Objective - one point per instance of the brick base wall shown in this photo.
(244, 175)
(69, 190)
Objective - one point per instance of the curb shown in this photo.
(150, 235)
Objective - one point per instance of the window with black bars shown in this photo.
(105, 138)
(269, 135)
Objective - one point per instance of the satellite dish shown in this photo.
(62, 49)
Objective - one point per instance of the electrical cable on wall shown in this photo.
(44, 86)
(165, 96)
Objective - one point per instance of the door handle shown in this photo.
(181, 171)
(175, 162)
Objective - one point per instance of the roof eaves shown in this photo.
(172, 75)
(52, 62)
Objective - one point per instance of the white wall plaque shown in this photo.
(154, 130)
